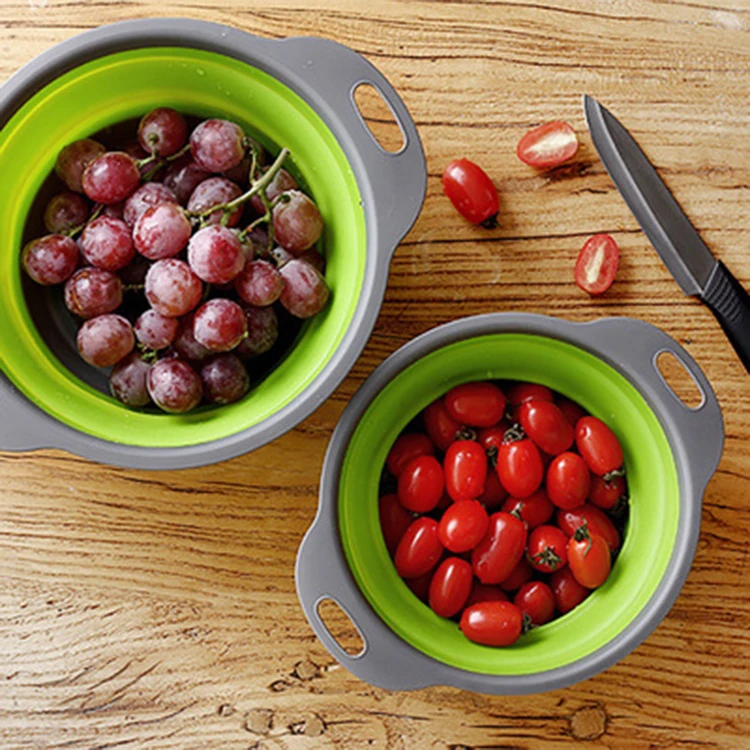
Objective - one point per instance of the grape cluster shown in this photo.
(213, 240)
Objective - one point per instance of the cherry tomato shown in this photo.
(440, 425)
(491, 438)
(450, 587)
(472, 193)
(534, 510)
(477, 404)
(546, 425)
(465, 467)
(445, 502)
(536, 600)
(597, 262)
(522, 573)
(494, 492)
(568, 481)
(568, 592)
(548, 145)
(492, 623)
(547, 549)
(420, 587)
(494, 558)
(571, 410)
(421, 484)
(463, 526)
(598, 445)
(394, 521)
(407, 447)
(419, 549)
(606, 493)
(596, 521)
(520, 467)
(589, 558)
(482, 593)
(523, 392)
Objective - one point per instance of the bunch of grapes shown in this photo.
(198, 224)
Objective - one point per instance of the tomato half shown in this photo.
(534, 510)
(494, 558)
(548, 145)
(483, 593)
(568, 592)
(547, 549)
(568, 480)
(440, 426)
(471, 191)
(607, 493)
(522, 573)
(589, 558)
(463, 526)
(596, 521)
(547, 426)
(419, 549)
(598, 445)
(450, 587)
(479, 404)
(520, 467)
(394, 521)
(421, 484)
(597, 263)
(536, 600)
(465, 468)
(407, 447)
(492, 623)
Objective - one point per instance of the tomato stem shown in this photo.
(610, 476)
(581, 533)
(547, 556)
(514, 434)
(528, 624)
(490, 222)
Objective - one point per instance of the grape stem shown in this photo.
(161, 162)
(77, 230)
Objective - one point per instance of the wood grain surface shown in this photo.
(157, 610)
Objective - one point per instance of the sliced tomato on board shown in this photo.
(597, 264)
(548, 145)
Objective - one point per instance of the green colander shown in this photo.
(609, 367)
(293, 92)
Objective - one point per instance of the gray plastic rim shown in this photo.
(392, 187)
(696, 438)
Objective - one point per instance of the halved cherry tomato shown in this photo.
(492, 623)
(547, 549)
(598, 445)
(440, 426)
(421, 484)
(472, 193)
(523, 392)
(463, 526)
(572, 411)
(596, 521)
(522, 573)
(536, 600)
(483, 593)
(568, 481)
(465, 467)
(494, 492)
(394, 521)
(450, 586)
(520, 467)
(420, 587)
(548, 145)
(589, 558)
(534, 510)
(494, 558)
(606, 493)
(479, 404)
(568, 592)
(419, 549)
(546, 425)
(408, 446)
(597, 263)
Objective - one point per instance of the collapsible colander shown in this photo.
(296, 93)
(609, 367)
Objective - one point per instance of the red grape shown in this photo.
(183, 176)
(127, 382)
(297, 223)
(107, 243)
(281, 256)
(215, 191)
(217, 145)
(105, 340)
(315, 259)
(280, 183)
(155, 331)
(225, 379)
(114, 211)
(93, 291)
(262, 331)
(185, 343)
(50, 259)
(65, 211)
(111, 177)
(305, 291)
(259, 284)
(219, 325)
(215, 254)
(162, 131)
(162, 231)
(174, 386)
(73, 160)
(241, 172)
(172, 288)
(135, 273)
(254, 243)
(150, 194)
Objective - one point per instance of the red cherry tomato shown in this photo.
(465, 467)
(546, 425)
(520, 467)
(463, 526)
(440, 426)
(597, 262)
(407, 447)
(589, 558)
(394, 521)
(494, 492)
(596, 521)
(568, 592)
(494, 558)
(472, 193)
(547, 549)
(477, 404)
(450, 587)
(445, 502)
(598, 445)
(421, 484)
(482, 593)
(548, 145)
(571, 410)
(420, 587)
(492, 623)
(522, 573)
(568, 481)
(607, 493)
(534, 510)
(491, 438)
(523, 392)
(536, 600)
(419, 549)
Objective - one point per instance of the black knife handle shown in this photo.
(730, 303)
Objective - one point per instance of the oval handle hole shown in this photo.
(341, 628)
(379, 119)
(680, 380)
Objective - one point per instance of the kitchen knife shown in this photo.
(673, 236)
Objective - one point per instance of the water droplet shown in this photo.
(200, 71)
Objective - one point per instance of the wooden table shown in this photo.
(157, 610)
